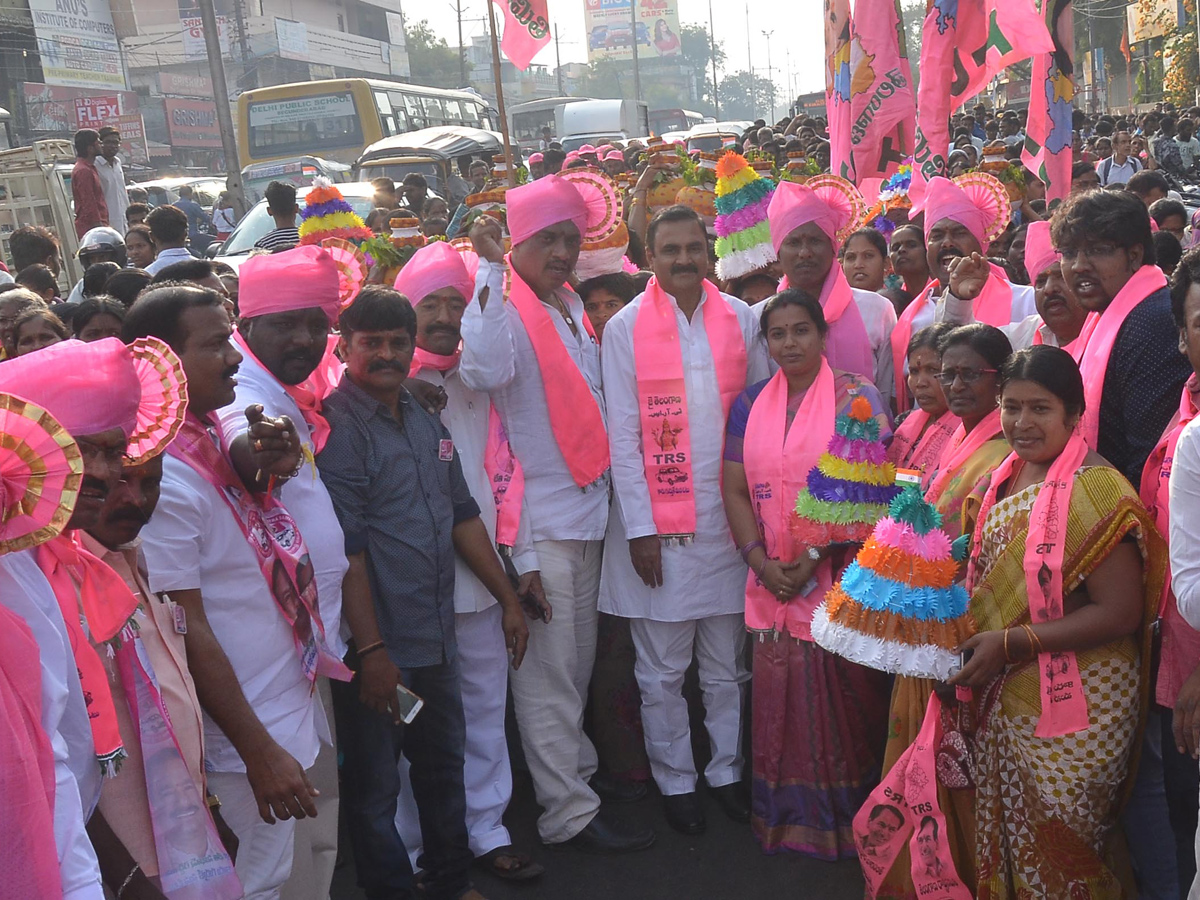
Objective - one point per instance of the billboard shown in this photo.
(64, 110)
(77, 43)
(194, 48)
(192, 123)
(611, 33)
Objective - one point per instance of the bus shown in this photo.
(526, 120)
(338, 118)
(664, 120)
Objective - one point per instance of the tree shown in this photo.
(912, 14)
(699, 51)
(737, 101)
(433, 61)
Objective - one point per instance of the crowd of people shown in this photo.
(282, 545)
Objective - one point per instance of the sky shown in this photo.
(796, 24)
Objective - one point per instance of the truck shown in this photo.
(35, 189)
(597, 121)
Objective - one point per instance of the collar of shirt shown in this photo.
(368, 404)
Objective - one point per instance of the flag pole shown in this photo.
(508, 154)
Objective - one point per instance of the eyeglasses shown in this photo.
(1091, 251)
(966, 376)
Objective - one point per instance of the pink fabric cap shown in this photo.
(1039, 252)
(535, 158)
(614, 155)
(793, 205)
(301, 278)
(946, 200)
(571, 157)
(433, 268)
(88, 388)
(542, 203)
(587, 148)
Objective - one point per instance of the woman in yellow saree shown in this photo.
(1066, 573)
(971, 359)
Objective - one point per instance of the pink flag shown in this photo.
(838, 78)
(882, 107)
(964, 44)
(1047, 148)
(526, 30)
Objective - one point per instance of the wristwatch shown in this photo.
(814, 554)
(213, 801)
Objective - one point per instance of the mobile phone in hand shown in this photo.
(408, 704)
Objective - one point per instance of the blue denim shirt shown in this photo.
(398, 489)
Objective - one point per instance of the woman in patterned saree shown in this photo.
(922, 432)
(972, 357)
(1052, 763)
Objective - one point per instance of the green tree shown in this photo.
(699, 51)
(746, 96)
(912, 13)
(434, 62)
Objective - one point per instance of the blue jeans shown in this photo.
(1146, 822)
(1182, 780)
(433, 744)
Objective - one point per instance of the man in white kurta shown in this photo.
(698, 607)
(438, 285)
(567, 520)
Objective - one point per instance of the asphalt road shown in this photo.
(724, 863)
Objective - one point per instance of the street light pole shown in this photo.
(750, 67)
(637, 77)
(712, 52)
(770, 72)
(216, 67)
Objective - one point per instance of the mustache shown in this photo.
(679, 270)
(128, 512)
(381, 365)
(442, 329)
(230, 372)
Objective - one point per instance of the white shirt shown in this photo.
(498, 359)
(27, 593)
(304, 496)
(1118, 173)
(707, 576)
(1020, 334)
(168, 256)
(223, 220)
(112, 182)
(466, 418)
(193, 542)
(879, 319)
(1184, 539)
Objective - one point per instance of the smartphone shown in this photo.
(408, 704)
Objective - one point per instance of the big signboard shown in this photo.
(192, 123)
(611, 32)
(77, 43)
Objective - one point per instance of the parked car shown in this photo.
(165, 191)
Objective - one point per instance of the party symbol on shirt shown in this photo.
(667, 437)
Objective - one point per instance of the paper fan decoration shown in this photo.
(842, 196)
(990, 195)
(351, 265)
(605, 257)
(851, 485)
(40, 472)
(326, 214)
(743, 233)
(603, 199)
(896, 607)
(164, 399)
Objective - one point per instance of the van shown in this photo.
(596, 121)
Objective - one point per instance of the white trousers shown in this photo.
(550, 689)
(264, 858)
(315, 852)
(487, 774)
(664, 652)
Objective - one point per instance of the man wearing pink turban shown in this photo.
(805, 224)
(439, 283)
(958, 223)
(536, 357)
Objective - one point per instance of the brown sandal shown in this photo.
(508, 864)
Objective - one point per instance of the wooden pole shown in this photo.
(508, 154)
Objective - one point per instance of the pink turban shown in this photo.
(542, 203)
(433, 268)
(89, 388)
(1039, 252)
(946, 200)
(535, 158)
(793, 205)
(302, 278)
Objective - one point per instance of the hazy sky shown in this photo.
(796, 24)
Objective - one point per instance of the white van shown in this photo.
(596, 121)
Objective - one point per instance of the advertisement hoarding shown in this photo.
(610, 30)
(194, 47)
(92, 112)
(54, 109)
(185, 85)
(133, 137)
(77, 43)
(192, 123)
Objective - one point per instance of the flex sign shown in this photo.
(192, 123)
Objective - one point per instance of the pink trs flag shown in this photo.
(964, 45)
(1047, 150)
(882, 107)
(526, 30)
(838, 77)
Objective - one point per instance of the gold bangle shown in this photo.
(1007, 658)
(1035, 646)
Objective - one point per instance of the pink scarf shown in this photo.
(1181, 642)
(575, 418)
(97, 607)
(908, 793)
(1093, 363)
(961, 447)
(777, 465)
(28, 854)
(993, 306)
(503, 470)
(198, 873)
(915, 446)
(663, 402)
(847, 346)
(277, 544)
(306, 397)
(1064, 708)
